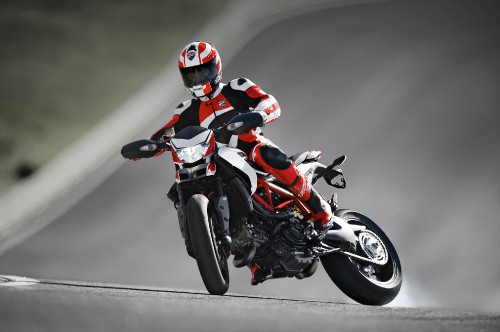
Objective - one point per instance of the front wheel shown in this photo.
(375, 283)
(211, 260)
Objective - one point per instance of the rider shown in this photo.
(215, 103)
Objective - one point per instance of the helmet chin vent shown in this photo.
(207, 93)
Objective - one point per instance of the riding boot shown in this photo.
(258, 275)
(322, 211)
(300, 187)
(275, 162)
(326, 223)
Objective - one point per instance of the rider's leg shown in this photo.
(275, 162)
(258, 275)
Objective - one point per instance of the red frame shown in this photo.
(270, 187)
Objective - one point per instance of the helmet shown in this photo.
(200, 67)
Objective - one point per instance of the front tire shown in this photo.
(366, 283)
(212, 263)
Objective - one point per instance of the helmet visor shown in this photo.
(197, 75)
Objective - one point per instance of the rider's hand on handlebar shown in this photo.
(164, 144)
(262, 114)
(244, 122)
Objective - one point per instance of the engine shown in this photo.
(283, 245)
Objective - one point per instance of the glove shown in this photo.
(263, 115)
(242, 123)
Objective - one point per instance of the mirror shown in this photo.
(339, 161)
(136, 149)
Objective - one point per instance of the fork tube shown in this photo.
(218, 187)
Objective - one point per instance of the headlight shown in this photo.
(193, 153)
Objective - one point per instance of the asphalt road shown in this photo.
(97, 307)
(409, 90)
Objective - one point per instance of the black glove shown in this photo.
(245, 122)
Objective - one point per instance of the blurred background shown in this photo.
(66, 64)
(408, 90)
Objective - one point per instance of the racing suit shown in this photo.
(240, 96)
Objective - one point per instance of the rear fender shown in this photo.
(343, 234)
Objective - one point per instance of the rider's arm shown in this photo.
(252, 97)
(176, 121)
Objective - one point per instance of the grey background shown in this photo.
(408, 90)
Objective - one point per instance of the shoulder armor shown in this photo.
(182, 107)
(242, 84)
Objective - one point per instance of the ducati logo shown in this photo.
(222, 103)
(191, 52)
(191, 55)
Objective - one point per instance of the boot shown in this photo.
(300, 186)
(322, 211)
(342, 234)
(258, 275)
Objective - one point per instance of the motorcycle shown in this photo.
(227, 206)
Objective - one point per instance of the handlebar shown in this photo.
(154, 146)
(144, 148)
(238, 125)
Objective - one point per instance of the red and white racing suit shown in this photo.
(241, 96)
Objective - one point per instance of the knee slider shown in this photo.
(274, 157)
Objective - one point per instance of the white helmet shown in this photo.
(200, 67)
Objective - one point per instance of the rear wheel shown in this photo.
(209, 255)
(375, 283)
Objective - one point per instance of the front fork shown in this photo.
(180, 204)
(219, 203)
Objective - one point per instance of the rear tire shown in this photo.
(365, 283)
(212, 264)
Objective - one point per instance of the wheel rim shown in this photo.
(360, 279)
(373, 247)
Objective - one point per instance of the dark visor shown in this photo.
(197, 75)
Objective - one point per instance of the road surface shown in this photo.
(77, 306)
